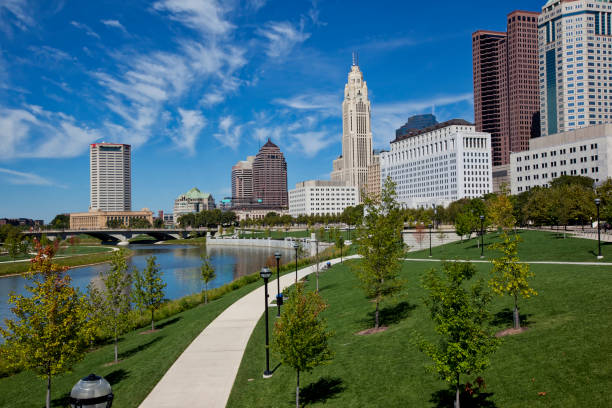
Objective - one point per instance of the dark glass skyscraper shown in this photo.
(416, 122)
(270, 177)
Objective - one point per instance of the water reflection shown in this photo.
(180, 265)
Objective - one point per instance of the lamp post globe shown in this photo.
(279, 295)
(265, 274)
(599, 255)
(91, 392)
(296, 247)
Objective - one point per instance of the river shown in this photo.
(180, 265)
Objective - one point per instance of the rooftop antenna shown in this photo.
(355, 58)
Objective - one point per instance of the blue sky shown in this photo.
(196, 85)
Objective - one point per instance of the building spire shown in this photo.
(355, 58)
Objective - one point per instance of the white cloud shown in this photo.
(281, 37)
(34, 132)
(310, 143)
(229, 133)
(85, 28)
(330, 103)
(15, 13)
(21, 178)
(114, 24)
(256, 4)
(191, 124)
(205, 16)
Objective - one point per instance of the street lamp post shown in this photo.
(430, 240)
(296, 247)
(482, 236)
(265, 274)
(599, 256)
(279, 295)
(317, 244)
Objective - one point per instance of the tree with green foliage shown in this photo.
(339, 242)
(510, 276)
(158, 223)
(381, 245)
(61, 221)
(50, 331)
(149, 288)
(500, 210)
(464, 225)
(207, 274)
(459, 314)
(11, 243)
(301, 335)
(112, 304)
(137, 222)
(24, 246)
(114, 224)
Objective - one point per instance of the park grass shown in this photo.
(70, 261)
(144, 360)
(536, 246)
(566, 353)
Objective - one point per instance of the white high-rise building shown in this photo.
(319, 197)
(439, 164)
(352, 166)
(575, 53)
(110, 173)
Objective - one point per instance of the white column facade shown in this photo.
(110, 177)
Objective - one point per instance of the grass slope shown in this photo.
(536, 246)
(145, 359)
(566, 353)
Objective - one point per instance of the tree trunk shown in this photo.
(297, 391)
(116, 348)
(517, 320)
(206, 293)
(152, 321)
(48, 401)
(376, 320)
(457, 393)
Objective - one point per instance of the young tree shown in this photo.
(500, 210)
(112, 304)
(381, 245)
(24, 246)
(207, 273)
(149, 288)
(459, 315)
(510, 276)
(419, 234)
(300, 335)
(463, 225)
(50, 332)
(339, 244)
(11, 243)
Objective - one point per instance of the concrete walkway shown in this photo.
(204, 374)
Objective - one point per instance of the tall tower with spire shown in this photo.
(352, 166)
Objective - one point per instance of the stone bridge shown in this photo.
(121, 236)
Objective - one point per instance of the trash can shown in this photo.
(279, 299)
(91, 392)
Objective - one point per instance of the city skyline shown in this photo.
(73, 76)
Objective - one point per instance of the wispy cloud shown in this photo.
(310, 143)
(281, 38)
(85, 28)
(21, 178)
(256, 4)
(50, 53)
(33, 132)
(115, 24)
(206, 16)
(15, 13)
(229, 132)
(191, 124)
(330, 102)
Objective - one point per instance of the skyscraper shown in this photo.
(416, 122)
(270, 177)
(575, 64)
(506, 94)
(242, 182)
(110, 177)
(352, 166)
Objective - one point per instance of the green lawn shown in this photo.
(145, 359)
(567, 353)
(294, 234)
(536, 246)
(87, 256)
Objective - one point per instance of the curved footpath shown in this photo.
(203, 376)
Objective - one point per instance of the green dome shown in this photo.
(195, 193)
